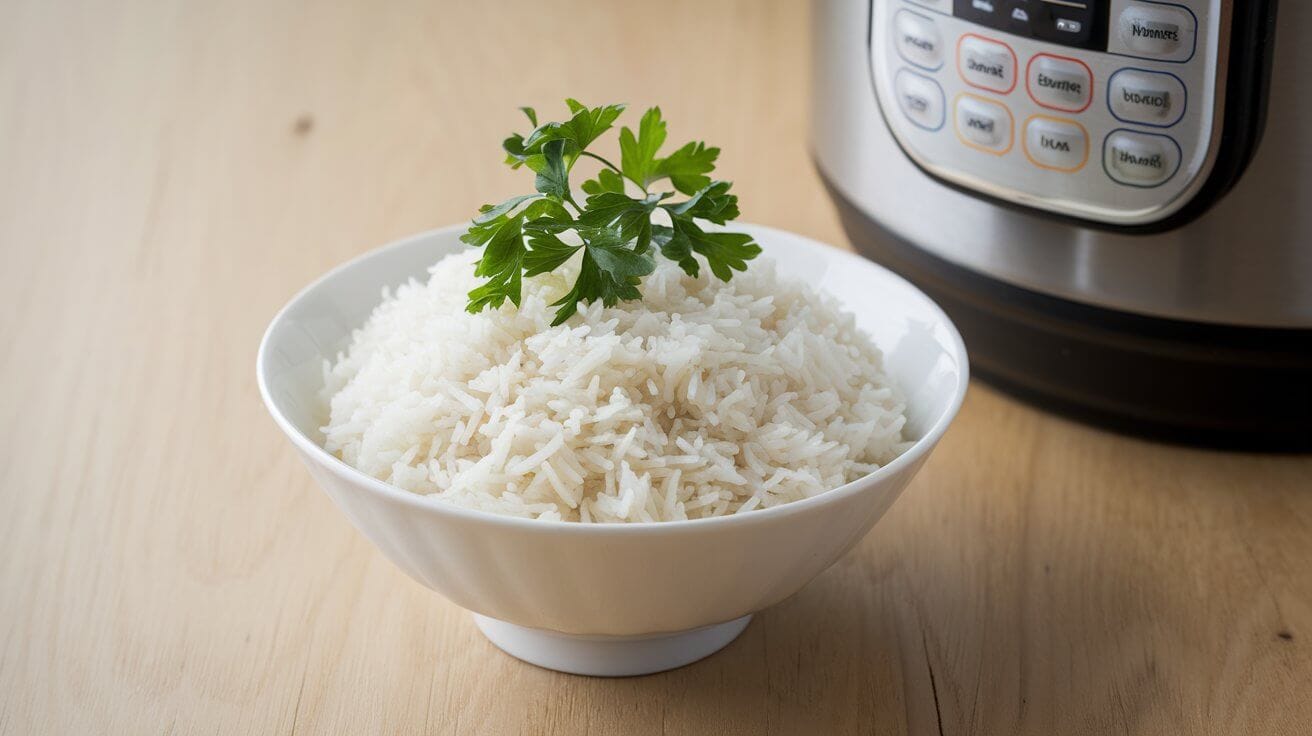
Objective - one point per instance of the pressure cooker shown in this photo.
(1111, 198)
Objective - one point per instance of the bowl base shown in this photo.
(609, 656)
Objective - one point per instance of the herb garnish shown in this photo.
(522, 236)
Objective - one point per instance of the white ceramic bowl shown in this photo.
(613, 599)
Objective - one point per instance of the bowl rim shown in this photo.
(347, 472)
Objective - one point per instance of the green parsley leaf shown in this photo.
(609, 272)
(712, 202)
(580, 130)
(480, 232)
(638, 153)
(606, 181)
(547, 251)
(688, 166)
(607, 246)
(553, 176)
(589, 123)
(503, 251)
(609, 208)
(515, 151)
(676, 246)
(632, 217)
(612, 234)
(547, 208)
(492, 212)
(724, 252)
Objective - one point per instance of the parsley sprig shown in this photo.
(619, 227)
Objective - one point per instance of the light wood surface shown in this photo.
(171, 173)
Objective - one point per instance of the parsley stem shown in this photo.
(570, 198)
(613, 167)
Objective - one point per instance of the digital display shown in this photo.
(1077, 23)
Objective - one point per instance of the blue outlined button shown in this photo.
(1146, 97)
(918, 40)
(1142, 160)
(920, 98)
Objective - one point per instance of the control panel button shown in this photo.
(941, 6)
(1140, 159)
(1054, 143)
(1148, 98)
(983, 124)
(920, 98)
(1059, 82)
(1155, 31)
(986, 63)
(917, 39)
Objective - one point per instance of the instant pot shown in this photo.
(1111, 198)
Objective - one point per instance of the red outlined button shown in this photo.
(1059, 82)
(986, 64)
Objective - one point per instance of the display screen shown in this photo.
(1077, 23)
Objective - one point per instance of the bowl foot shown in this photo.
(609, 656)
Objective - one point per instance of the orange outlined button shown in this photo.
(983, 124)
(1057, 144)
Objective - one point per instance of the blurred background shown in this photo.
(172, 172)
(325, 129)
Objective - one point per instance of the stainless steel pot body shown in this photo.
(1245, 261)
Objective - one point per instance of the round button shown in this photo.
(986, 63)
(920, 98)
(1155, 31)
(1140, 159)
(917, 39)
(1057, 144)
(1148, 98)
(983, 124)
(1059, 82)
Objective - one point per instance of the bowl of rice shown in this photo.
(618, 494)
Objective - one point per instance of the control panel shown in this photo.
(1102, 110)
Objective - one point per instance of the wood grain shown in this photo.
(170, 173)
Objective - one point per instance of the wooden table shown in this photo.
(170, 173)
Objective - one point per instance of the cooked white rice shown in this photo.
(705, 398)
